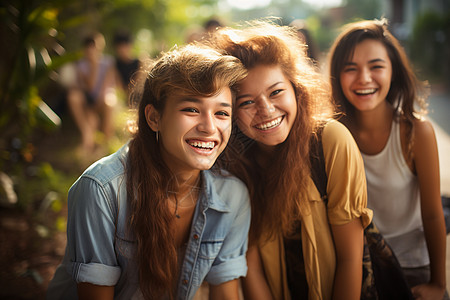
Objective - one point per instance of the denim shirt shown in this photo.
(100, 249)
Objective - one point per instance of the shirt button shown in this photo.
(195, 236)
(185, 281)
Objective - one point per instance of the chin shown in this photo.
(205, 164)
(274, 141)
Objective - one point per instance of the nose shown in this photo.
(207, 123)
(265, 106)
(365, 76)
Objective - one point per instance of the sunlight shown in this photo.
(248, 4)
(324, 3)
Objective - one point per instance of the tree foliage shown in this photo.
(430, 44)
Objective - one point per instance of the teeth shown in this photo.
(270, 124)
(366, 91)
(205, 145)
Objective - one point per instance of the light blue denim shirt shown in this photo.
(101, 251)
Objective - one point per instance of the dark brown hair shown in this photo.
(190, 70)
(278, 191)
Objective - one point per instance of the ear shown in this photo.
(152, 117)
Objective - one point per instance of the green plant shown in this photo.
(430, 45)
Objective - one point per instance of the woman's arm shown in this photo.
(349, 243)
(347, 208)
(88, 291)
(226, 291)
(254, 285)
(426, 162)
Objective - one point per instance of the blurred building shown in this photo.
(403, 13)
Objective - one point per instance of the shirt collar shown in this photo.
(210, 197)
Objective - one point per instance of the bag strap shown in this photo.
(317, 161)
(382, 274)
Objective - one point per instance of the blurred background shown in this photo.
(41, 40)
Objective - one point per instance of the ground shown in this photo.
(28, 260)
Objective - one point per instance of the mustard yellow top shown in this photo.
(347, 200)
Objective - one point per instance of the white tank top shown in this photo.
(394, 196)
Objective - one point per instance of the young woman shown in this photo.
(150, 221)
(91, 99)
(377, 90)
(301, 247)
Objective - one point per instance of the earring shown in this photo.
(157, 136)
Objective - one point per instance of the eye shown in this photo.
(276, 92)
(349, 69)
(378, 67)
(190, 109)
(245, 103)
(223, 113)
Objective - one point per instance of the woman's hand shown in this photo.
(428, 292)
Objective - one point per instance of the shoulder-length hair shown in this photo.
(189, 70)
(405, 91)
(279, 191)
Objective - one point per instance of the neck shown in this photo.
(186, 182)
(186, 195)
(375, 119)
(264, 154)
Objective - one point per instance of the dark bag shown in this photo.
(446, 209)
(383, 277)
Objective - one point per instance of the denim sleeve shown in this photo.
(90, 234)
(231, 262)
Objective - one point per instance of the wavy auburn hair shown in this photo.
(406, 90)
(189, 70)
(278, 191)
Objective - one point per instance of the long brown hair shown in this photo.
(190, 70)
(278, 191)
(405, 91)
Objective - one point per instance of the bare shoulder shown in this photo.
(425, 144)
(423, 131)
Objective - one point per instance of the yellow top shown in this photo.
(347, 200)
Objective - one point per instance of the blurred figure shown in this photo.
(384, 105)
(126, 63)
(212, 25)
(198, 33)
(92, 98)
(305, 36)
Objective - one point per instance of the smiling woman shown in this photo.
(265, 112)
(384, 105)
(152, 221)
(300, 248)
(200, 134)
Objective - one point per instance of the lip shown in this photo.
(269, 124)
(202, 146)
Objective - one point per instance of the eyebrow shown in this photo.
(370, 62)
(270, 87)
(198, 101)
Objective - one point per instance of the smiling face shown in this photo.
(266, 106)
(366, 78)
(193, 131)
